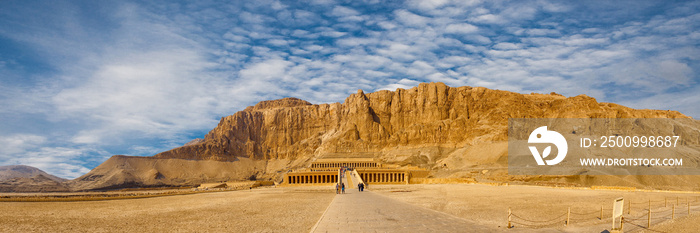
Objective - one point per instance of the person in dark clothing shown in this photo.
(342, 187)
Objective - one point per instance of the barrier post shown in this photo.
(601, 212)
(622, 223)
(509, 213)
(629, 207)
(649, 218)
(673, 213)
(568, 214)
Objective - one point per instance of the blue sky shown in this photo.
(83, 80)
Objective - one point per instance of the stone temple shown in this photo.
(367, 170)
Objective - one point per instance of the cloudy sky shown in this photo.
(83, 80)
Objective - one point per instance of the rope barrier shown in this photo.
(625, 220)
(585, 219)
(536, 221)
(652, 210)
(639, 218)
(536, 226)
(594, 212)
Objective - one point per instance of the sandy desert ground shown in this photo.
(297, 209)
(489, 205)
(256, 210)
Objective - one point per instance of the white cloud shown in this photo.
(410, 19)
(18, 143)
(461, 28)
(428, 5)
(159, 74)
(403, 84)
(506, 46)
(342, 11)
(488, 19)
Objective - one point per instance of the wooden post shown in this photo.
(568, 214)
(649, 218)
(673, 212)
(601, 212)
(665, 201)
(629, 207)
(509, 213)
(622, 223)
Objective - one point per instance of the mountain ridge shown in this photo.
(433, 126)
(378, 120)
(23, 178)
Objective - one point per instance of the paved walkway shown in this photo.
(366, 211)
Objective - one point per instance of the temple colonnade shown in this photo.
(319, 178)
(344, 164)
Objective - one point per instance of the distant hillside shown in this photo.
(22, 178)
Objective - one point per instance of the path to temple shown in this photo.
(366, 211)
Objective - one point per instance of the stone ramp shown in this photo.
(350, 182)
(366, 211)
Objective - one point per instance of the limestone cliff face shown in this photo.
(431, 114)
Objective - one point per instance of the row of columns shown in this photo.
(383, 177)
(344, 164)
(311, 179)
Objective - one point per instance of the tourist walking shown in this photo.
(337, 188)
(342, 187)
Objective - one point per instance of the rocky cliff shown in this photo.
(453, 131)
(431, 114)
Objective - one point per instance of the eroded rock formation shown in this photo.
(431, 114)
(453, 131)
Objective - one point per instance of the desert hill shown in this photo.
(21, 178)
(453, 131)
